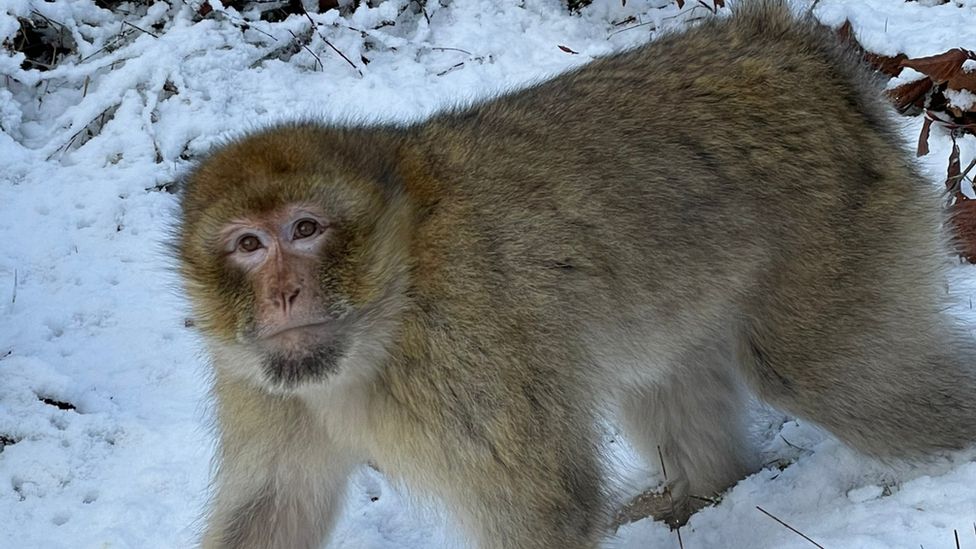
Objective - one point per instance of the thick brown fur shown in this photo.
(652, 233)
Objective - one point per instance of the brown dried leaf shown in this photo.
(205, 9)
(888, 65)
(943, 67)
(719, 3)
(681, 3)
(846, 34)
(953, 172)
(923, 138)
(910, 93)
(963, 216)
(962, 80)
(567, 50)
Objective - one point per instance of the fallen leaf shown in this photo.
(963, 217)
(846, 34)
(953, 171)
(910, 93)
(923, 138)
(943, 67)
(891, 66)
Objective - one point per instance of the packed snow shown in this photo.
(105, 436)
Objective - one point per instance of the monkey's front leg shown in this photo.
(280, 480)
(514, 474)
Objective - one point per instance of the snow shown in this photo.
(916, 29)
(962, 99)
(91, 315)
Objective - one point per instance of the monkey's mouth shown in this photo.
(299, 337)
(301, 352)
(302, 330)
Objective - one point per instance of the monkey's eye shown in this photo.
(305, 228)
(249, 243)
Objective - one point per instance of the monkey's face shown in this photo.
(287, 260)
(290, 318)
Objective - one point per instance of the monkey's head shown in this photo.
(292, 247)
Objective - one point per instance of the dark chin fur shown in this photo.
(292, 370)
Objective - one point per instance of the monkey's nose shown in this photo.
(287, 298)
(290, 299)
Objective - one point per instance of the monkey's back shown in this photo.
(741, 173)
(703, 168)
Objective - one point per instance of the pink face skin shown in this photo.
(279, 253)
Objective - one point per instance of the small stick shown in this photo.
(667, 492)
(452, 68)
(342, 55)
(790, 444)
(324, 39)
(956, 179)
(794, 530)
(49, 20)
(306, 48)
(660, 456)
(679, 14)
(154, 35)
(439, 48)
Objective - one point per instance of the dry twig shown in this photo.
(794, 530)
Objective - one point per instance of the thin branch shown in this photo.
(49, 20)
(794, 530)
(667, 493)
(965, 173)
(439, 48)
(675, 16)
(342, 55)
(315, 28)
(660, 456)
(306, 48)
(452, 68)
(138, 28)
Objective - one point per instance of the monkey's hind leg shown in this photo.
(695, 422)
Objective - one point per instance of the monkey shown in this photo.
(650, 239)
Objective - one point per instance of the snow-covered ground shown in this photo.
(90, 312)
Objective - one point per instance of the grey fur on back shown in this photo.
(740, 181)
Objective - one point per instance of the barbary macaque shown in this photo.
(467, 301)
